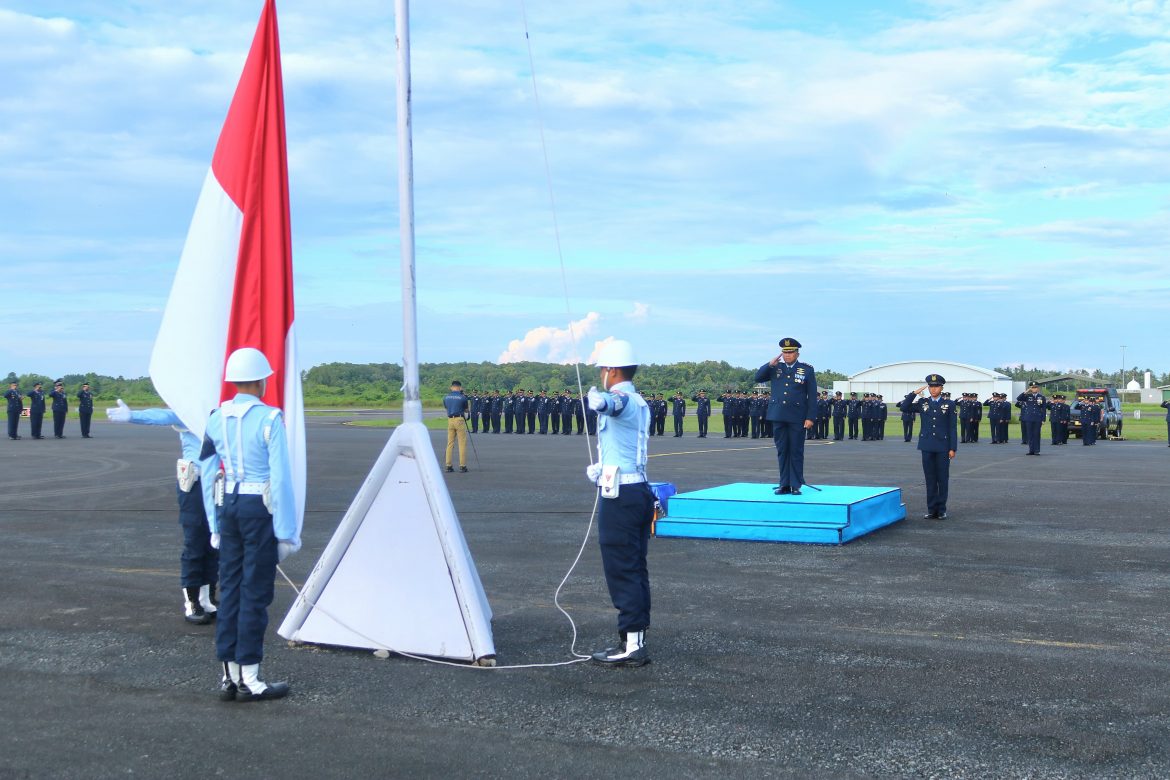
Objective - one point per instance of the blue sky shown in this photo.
(980, 182)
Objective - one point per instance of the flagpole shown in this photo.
(411, 405)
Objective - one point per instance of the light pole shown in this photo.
(1121, 380)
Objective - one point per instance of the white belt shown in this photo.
(630, 479)
(246, 488)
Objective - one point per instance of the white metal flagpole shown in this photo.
(411, 405)
(401, 537)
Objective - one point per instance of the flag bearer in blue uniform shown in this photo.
(792, 410)
(626, 503)
(15, 406)
(199, 561)
(60, 408)
(938, 439)
(36, 410)
(456, 404)
(1033, 406)
(255, 526)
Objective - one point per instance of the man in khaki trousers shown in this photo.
(455, 402)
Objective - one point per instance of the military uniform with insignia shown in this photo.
(792, 411)
(937, 441)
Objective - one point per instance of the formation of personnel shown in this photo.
(521, 411)
(59, 405)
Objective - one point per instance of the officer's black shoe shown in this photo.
(450, 468)
(796, 491)
(87, 436)
(227, 685)
(14, 438)
(941, 516)
(630, 651)
(930, 516)
(38, 437)
(463, 469)
(193, 611)
(782, 491)
(252, 688)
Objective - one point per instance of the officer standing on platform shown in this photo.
(626, 506)
(678, 411)
(937, 441)
(36, 410)
(792, 411)
(15, 406)
(456, 404)
(85, 409)
(60, 408)
(256, 525)
(1032, 405)
(198, 561)
(703, 412)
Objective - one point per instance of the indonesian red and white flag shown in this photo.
(234, 285)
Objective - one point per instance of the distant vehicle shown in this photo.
(1110, 404)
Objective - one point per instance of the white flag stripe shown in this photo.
(186, 365)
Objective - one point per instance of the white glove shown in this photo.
(215, 541)
(596, 400)
(119, 413)
(592, 472)
(283, 550)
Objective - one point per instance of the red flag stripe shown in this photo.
(251, 165)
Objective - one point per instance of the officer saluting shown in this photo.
(1032, 412)
(626, 504)
(256, 523)
(937, 440)
(60, 408)
(85, 409)
(792, 410)
(36, 410)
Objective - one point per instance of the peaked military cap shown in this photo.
(935, 380)
(789, 345)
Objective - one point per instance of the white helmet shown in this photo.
(615, 354)
(247, 364)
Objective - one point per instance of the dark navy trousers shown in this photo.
(789, 438)
(1032, 435)
(199, 561)
(34, 421)
(247, 570)
(13, 423)
(936, 467)
(623, 529)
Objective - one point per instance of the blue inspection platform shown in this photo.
(743, 510)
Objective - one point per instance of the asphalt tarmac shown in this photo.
(1026, 636)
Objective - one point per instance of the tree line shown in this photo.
(380, 384)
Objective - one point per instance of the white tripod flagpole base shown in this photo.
(397, 574)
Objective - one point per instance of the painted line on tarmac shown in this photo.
(700, 452)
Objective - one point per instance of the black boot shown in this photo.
(630, 651)
(192, 609)
(229, 684)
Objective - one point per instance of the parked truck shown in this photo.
(1110, 404)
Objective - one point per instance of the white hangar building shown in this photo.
(894, 380)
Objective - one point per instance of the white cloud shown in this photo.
(549, 344)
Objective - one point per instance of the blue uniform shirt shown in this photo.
(191, 446)
(794, 391)
(248, 438)
(938, 428)
(622, 427)
(1032, 406)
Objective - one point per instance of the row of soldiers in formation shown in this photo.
(860, 417)
(36, 409)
